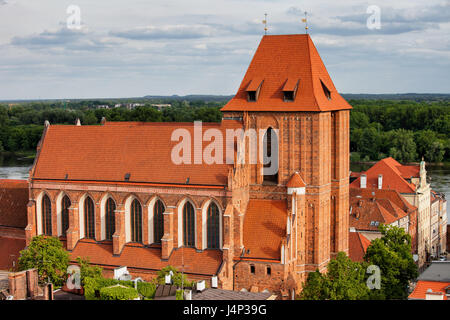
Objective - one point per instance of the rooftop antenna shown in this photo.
(305, 21)
(265, 23)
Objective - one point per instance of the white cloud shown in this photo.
(177, 47)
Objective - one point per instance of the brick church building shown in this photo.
(112, 193)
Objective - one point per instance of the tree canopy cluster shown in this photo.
(348, 280)
(21, 125)
(405, 130)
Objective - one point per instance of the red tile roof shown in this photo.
(283, 60)
(264, 227)
(140, 257)
(10, 252)
(375, 206)
(357, 246)
(422, 287)
(392, 177)
(14, 197)
(108, 152)
(296, 181)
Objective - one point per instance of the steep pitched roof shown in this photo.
(108, 152)
(137, 256)
(392, 176)
(357, 246)
(296, 181)
(13, 203)
(264, 228)
(285, 60)
(372, 206)
(422, 287)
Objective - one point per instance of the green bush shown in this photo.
(179, 295)
(93, 286)
(87, 270)
(147, 289)
(118, 293)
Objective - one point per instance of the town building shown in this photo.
(114, 194)
(411, 183)
(13, 220)
(371, 207)
(433, 283)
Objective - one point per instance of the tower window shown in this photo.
(253, 89)
(251, 96)
(288, 96)
(326, 91)
(290, 89)
(252, 269)
(269, 271)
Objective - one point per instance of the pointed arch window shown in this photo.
(65, 215)
(212, 221)
(188, 225)
(136, 221)
(46, 216)
(110, 219)
(89, 218)
(270, 149)
(158, 221)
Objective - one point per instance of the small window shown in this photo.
(253, 89)
(288, 96)
(290, 89)
(326, 91)
(252, 269)
(269, 271)
(251, 96)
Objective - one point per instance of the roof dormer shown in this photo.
(290, 89)
(254, 89)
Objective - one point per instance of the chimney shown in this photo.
(214, 282)
(201, 285)
(363, 181)
(380, 181)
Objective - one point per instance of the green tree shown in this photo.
(392, 254)
(401, 145)
(48, 256)
(344, 280)
(87, 270)
(177, 277)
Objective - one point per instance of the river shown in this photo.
(439, 176)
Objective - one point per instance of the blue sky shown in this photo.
(142, 47)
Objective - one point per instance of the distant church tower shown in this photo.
(288, 92)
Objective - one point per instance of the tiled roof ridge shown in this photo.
(316, 104)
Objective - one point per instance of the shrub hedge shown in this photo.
(118, 293)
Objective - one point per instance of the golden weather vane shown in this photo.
(265, 23)
(305, 21)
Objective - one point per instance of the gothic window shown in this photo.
(212, 221)
(158, 221)
(110, 218)
(189, 225)
(46, 216)
(270, 161)
(136, 221)
(89, 218)
(65, 214)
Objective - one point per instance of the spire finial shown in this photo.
(305, 21)
(265, 23)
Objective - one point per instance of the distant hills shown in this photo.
(419, 97)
